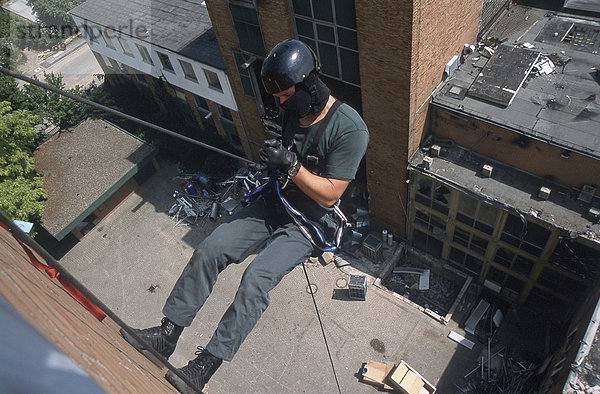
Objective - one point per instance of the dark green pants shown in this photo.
(248, 230)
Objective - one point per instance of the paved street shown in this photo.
(77, 65)
(131, 260)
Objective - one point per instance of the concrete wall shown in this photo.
(535, 157)
(403, 52)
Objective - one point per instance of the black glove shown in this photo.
(275, 157)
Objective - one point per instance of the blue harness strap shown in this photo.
(309, 229)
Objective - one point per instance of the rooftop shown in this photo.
(181, 26)
(512, 189)
(537, 73)
(82, 167)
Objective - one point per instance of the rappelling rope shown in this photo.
(322, 329)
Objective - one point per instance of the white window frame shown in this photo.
(125, 46)
(189, 74)
(144, 53)
(213, 80)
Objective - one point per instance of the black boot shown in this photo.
(197, 372)
(163, 339)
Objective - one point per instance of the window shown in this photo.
(477, 214)
(432, 194)
(430, 222)
(560, 283)
(522, 234)
(90, 33)
(244, 74)
(225, 113)
(510, 285)
(144, 52)
(427, 243)
(470, 241)
(513, 261)
(139, 77)
(125, 46)
(201, 103)
(247, 27)
(165, 61)
(577, 258)
(107, 63)
(213, 80)
(180, 95)
(465, 262)
(107, 39)
(188, 70)
(229, 126)
(329, 28)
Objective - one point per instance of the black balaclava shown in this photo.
(311, 96)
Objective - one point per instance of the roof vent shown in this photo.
(435, 150)
(544, 193)
(427, 162)
(587, 193)
(486, 170)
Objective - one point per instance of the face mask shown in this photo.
(299, 104)
(303, 102)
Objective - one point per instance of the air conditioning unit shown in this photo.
(452, 65)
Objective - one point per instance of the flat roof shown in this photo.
(512, 189)
(505, 88)
(82, 168)
(181, 26)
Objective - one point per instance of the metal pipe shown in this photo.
(122, 115)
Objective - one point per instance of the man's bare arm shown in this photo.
(325, 191)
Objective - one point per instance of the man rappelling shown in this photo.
(318, 154)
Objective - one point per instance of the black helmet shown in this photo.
(288, 63)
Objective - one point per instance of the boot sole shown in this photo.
(182, 386)
(142, 347)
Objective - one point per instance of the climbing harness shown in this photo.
(309, 228)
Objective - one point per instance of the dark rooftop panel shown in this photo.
(503, 75)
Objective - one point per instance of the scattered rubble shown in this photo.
(439, 297)
(500, 374)
(201, 197)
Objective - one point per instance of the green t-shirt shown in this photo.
(342, 146)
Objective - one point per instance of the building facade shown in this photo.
(164, 47)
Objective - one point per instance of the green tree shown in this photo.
(21, 187)
(61, 111)
(54, 12)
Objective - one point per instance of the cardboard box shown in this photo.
(375, 372)
(405, 380)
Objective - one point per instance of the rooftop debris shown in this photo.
(439, 296)
(543, 66)
(498, 373)
(201, 197)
